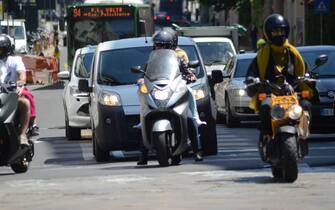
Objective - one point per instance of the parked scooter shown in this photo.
(289, 122)
(164, 107)
(9, 136)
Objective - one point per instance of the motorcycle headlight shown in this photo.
(110, 99)
(278, 112)
(161, 94)
(199, 93)
(294, 112)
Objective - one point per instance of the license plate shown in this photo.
(327, 112)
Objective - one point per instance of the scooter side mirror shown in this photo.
(193, 64)
(136, 69)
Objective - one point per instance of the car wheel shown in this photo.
(231, 121)
(208, 136)
(71, 132)
(100, 154)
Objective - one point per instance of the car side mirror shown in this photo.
(193, 64)
(64, 75)
(83, 86)
(217, 76)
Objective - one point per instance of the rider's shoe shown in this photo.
(138, 126)
(198, 156)
(199, 122)
(22, 149)
(143, 160)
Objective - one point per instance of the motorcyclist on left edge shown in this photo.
(12, 70)
(276, 57)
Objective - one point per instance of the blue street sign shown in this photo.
(321, 6)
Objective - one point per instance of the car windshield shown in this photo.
(83, 65)
(215, 52)
(17, 30)
(242, 67)
(114, 67)
(162, 64)
(328, 69)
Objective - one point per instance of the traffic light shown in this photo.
(11, 6)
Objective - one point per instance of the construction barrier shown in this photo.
(40, 69)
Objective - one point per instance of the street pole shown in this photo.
(321, 28)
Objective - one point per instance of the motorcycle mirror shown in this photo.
(136, 69)
(193, 64)
(322, 59)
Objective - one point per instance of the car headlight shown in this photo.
(161, 94)
(294, 112)
(199, 93)
(278, 112)
(239, 92)
(109, 99)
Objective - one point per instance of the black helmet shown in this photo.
(5, 45)
(174, 34)
(273, 22)
(163, 39)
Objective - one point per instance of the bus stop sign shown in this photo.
(321, 6)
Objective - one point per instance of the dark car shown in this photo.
(323, 116)
(162, 19)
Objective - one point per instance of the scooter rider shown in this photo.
(12, 70)
(276, 57)
(165, 39)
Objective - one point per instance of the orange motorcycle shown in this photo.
(290, 128)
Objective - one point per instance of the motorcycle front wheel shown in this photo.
(290, 157)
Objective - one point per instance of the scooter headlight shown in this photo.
(278, 112)
(294, 112)
(161, 94)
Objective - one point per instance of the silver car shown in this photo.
(230, 95)
(76, 102)
(115, 106)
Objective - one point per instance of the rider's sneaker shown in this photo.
(138, 126)
(199, 122)
(198, 156)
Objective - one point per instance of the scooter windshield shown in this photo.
(162, 65)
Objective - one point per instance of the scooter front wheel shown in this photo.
(20, 167)
(163, 153)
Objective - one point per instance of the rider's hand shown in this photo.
(19, 90)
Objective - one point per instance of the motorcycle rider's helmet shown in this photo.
(175, 36)
(5, 46)
(163, 39)
(278, 25)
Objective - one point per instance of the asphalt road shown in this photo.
(64, 174)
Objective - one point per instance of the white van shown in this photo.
(17, 29)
